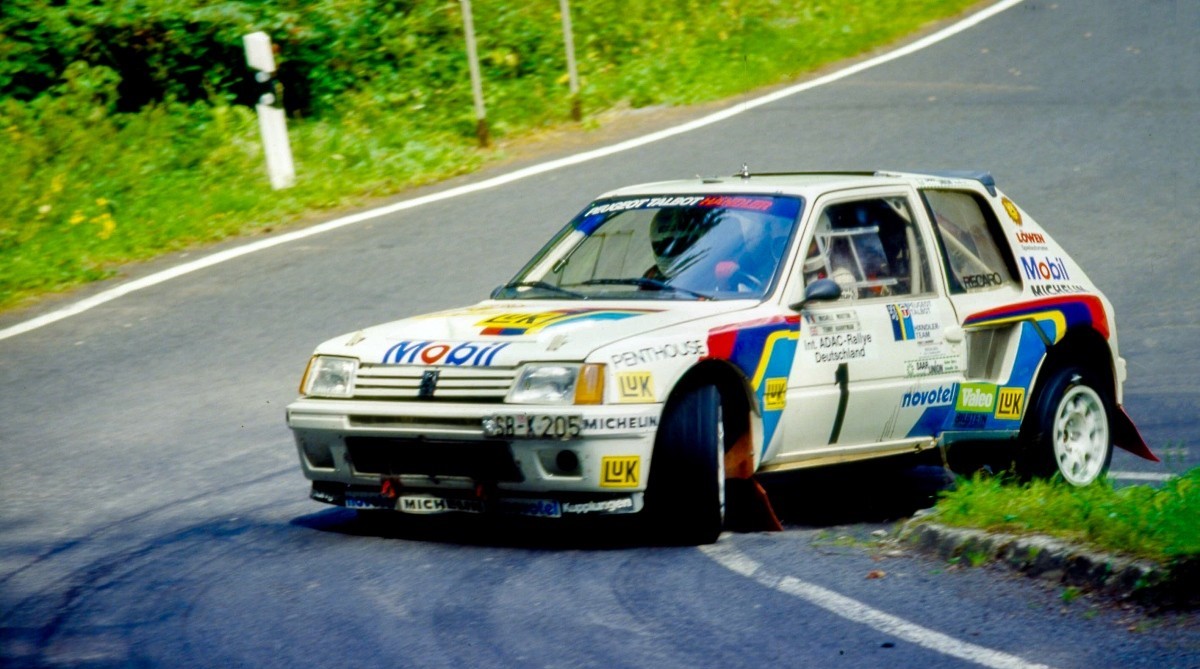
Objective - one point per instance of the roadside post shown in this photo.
(572, 72)
(481, 126)
(272, 122)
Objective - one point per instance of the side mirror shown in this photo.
(821, 290)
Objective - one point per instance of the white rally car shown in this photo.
(677, 335)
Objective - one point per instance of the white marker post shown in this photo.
(481, 124)
(272, 123)
(564, 7)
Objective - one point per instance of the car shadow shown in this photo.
(866, 493)
(870, 492)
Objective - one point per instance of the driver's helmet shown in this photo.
(674, 230)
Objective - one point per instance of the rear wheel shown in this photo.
(685, 495)
(1068, 429)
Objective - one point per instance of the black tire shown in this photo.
(685, 495)
(1067, 429)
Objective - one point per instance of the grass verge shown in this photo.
(1158, 524)
(89, 188)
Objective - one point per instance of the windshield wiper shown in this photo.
(644, 282)
(542, 285)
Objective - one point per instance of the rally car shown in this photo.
(675, 336)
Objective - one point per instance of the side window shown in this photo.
(967, 232)
(870, 247)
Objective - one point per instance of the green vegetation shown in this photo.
(127, 130)
(1159, 524)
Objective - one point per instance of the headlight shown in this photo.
(559, 384)
(328, 376)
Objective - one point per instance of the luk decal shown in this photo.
(976, 398)
(775, 397)
(1044, 268)
(1010, 402)
(620, 471)
(939, 396)
(512, 324)
(469, 354)
(1011, 208)
(649, 354)
(635, 387)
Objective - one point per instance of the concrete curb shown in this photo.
(1059, 562)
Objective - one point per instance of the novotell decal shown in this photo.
(927, 398)
(512, 324)
(1054, 315)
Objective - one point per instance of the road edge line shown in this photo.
(94, 301)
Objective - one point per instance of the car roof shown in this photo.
(808, 183)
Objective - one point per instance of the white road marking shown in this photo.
(1141, 476)
(534, 170)
(725, 554)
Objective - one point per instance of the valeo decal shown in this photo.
(1010, 402)
(976, 398)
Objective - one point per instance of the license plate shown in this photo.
(533, 426)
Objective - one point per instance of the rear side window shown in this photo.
(967, 234)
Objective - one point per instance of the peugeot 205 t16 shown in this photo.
(675, 336)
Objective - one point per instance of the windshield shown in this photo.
(673, 247)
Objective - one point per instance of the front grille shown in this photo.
(454, 384)
(485, 461)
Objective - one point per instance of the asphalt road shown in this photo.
(154, 514)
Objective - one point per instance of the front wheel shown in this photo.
(1070, 432)
(685, 495)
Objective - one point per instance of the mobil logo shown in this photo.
(928, 398)
(1044, 268)
(442, 353)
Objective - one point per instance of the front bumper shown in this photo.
(424, 457)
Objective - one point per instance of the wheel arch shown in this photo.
(739, 411)
(1085, 347)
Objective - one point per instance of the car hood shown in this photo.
(509, 333)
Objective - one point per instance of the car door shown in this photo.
(1002, 352)
(874, 369)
